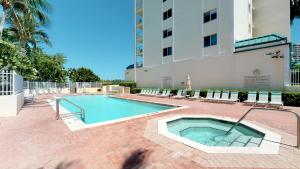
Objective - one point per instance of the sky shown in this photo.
(97, 34)
(296, 31)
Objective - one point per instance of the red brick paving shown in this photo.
(34, 139)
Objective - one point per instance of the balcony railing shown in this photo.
(139, 39)
(139, 52)
(139, 4)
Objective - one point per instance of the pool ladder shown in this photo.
(60, 116)
(271, 109)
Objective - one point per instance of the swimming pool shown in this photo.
(213, 132)
(102, 108)
(208, 133)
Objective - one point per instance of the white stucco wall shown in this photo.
(242, 19)
(152, 32)
(271, 16)
(11, 105)
(228, 71)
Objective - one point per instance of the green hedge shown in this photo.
(288, 98)
(14, 58)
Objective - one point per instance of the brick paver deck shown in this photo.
(35, 140)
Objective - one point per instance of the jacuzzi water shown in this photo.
(101, 108)
(212, 132)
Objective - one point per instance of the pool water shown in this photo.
(101, 108)
(212, 132)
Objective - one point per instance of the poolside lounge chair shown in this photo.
(209, 95)
(276, 99)
(30, 97)
(155, 92)
(234, 97)
(142, 92)
(225, 96)
(180, 94)
(263, 98)
(165, 94)
(251, 98)
(149, 92)
(196, 95)
(217, 95)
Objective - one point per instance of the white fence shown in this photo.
(88, 85)
(295, 77)
(45, 85)
(54, 85)
(10, 82)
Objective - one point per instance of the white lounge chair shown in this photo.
(142, 92)
(217, 95)
(225, 96)
(251, 98)
(180, 94)
(149, 92)
(209, 95)
(155, 92)
(30, 97)
(276, 99)
(234, 97)
(165, 94)
(263, 98)
(196, 95)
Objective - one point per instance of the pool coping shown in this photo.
(76, 124)
(266, 147)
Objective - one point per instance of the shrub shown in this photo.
(291, 99)
(13, 58)
(132, 85)
(135, 90)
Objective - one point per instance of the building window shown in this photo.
(167, 51)
(210, 15)
(167, 33)
(167, 14)
(210, 40)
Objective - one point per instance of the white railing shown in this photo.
(45, 85)
(295, 77)
(88, 84)
(54, 85)
(10, 82)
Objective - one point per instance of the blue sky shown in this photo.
(97, 34)
(296, 31)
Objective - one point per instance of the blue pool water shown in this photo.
(101, 108)
(211, 132)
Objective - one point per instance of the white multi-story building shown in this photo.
(220, 44)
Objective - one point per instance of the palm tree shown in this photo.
(34, 11)
(29, 37)
(295, 9)
(9, 10)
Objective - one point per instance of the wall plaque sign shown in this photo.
(257, 80)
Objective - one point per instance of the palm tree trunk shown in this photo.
(2, 22)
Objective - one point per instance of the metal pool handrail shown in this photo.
(58, 116)
(281, 110)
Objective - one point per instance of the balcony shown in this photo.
(139, 24)
(139, 39)
(139, 11)
(139, 52)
